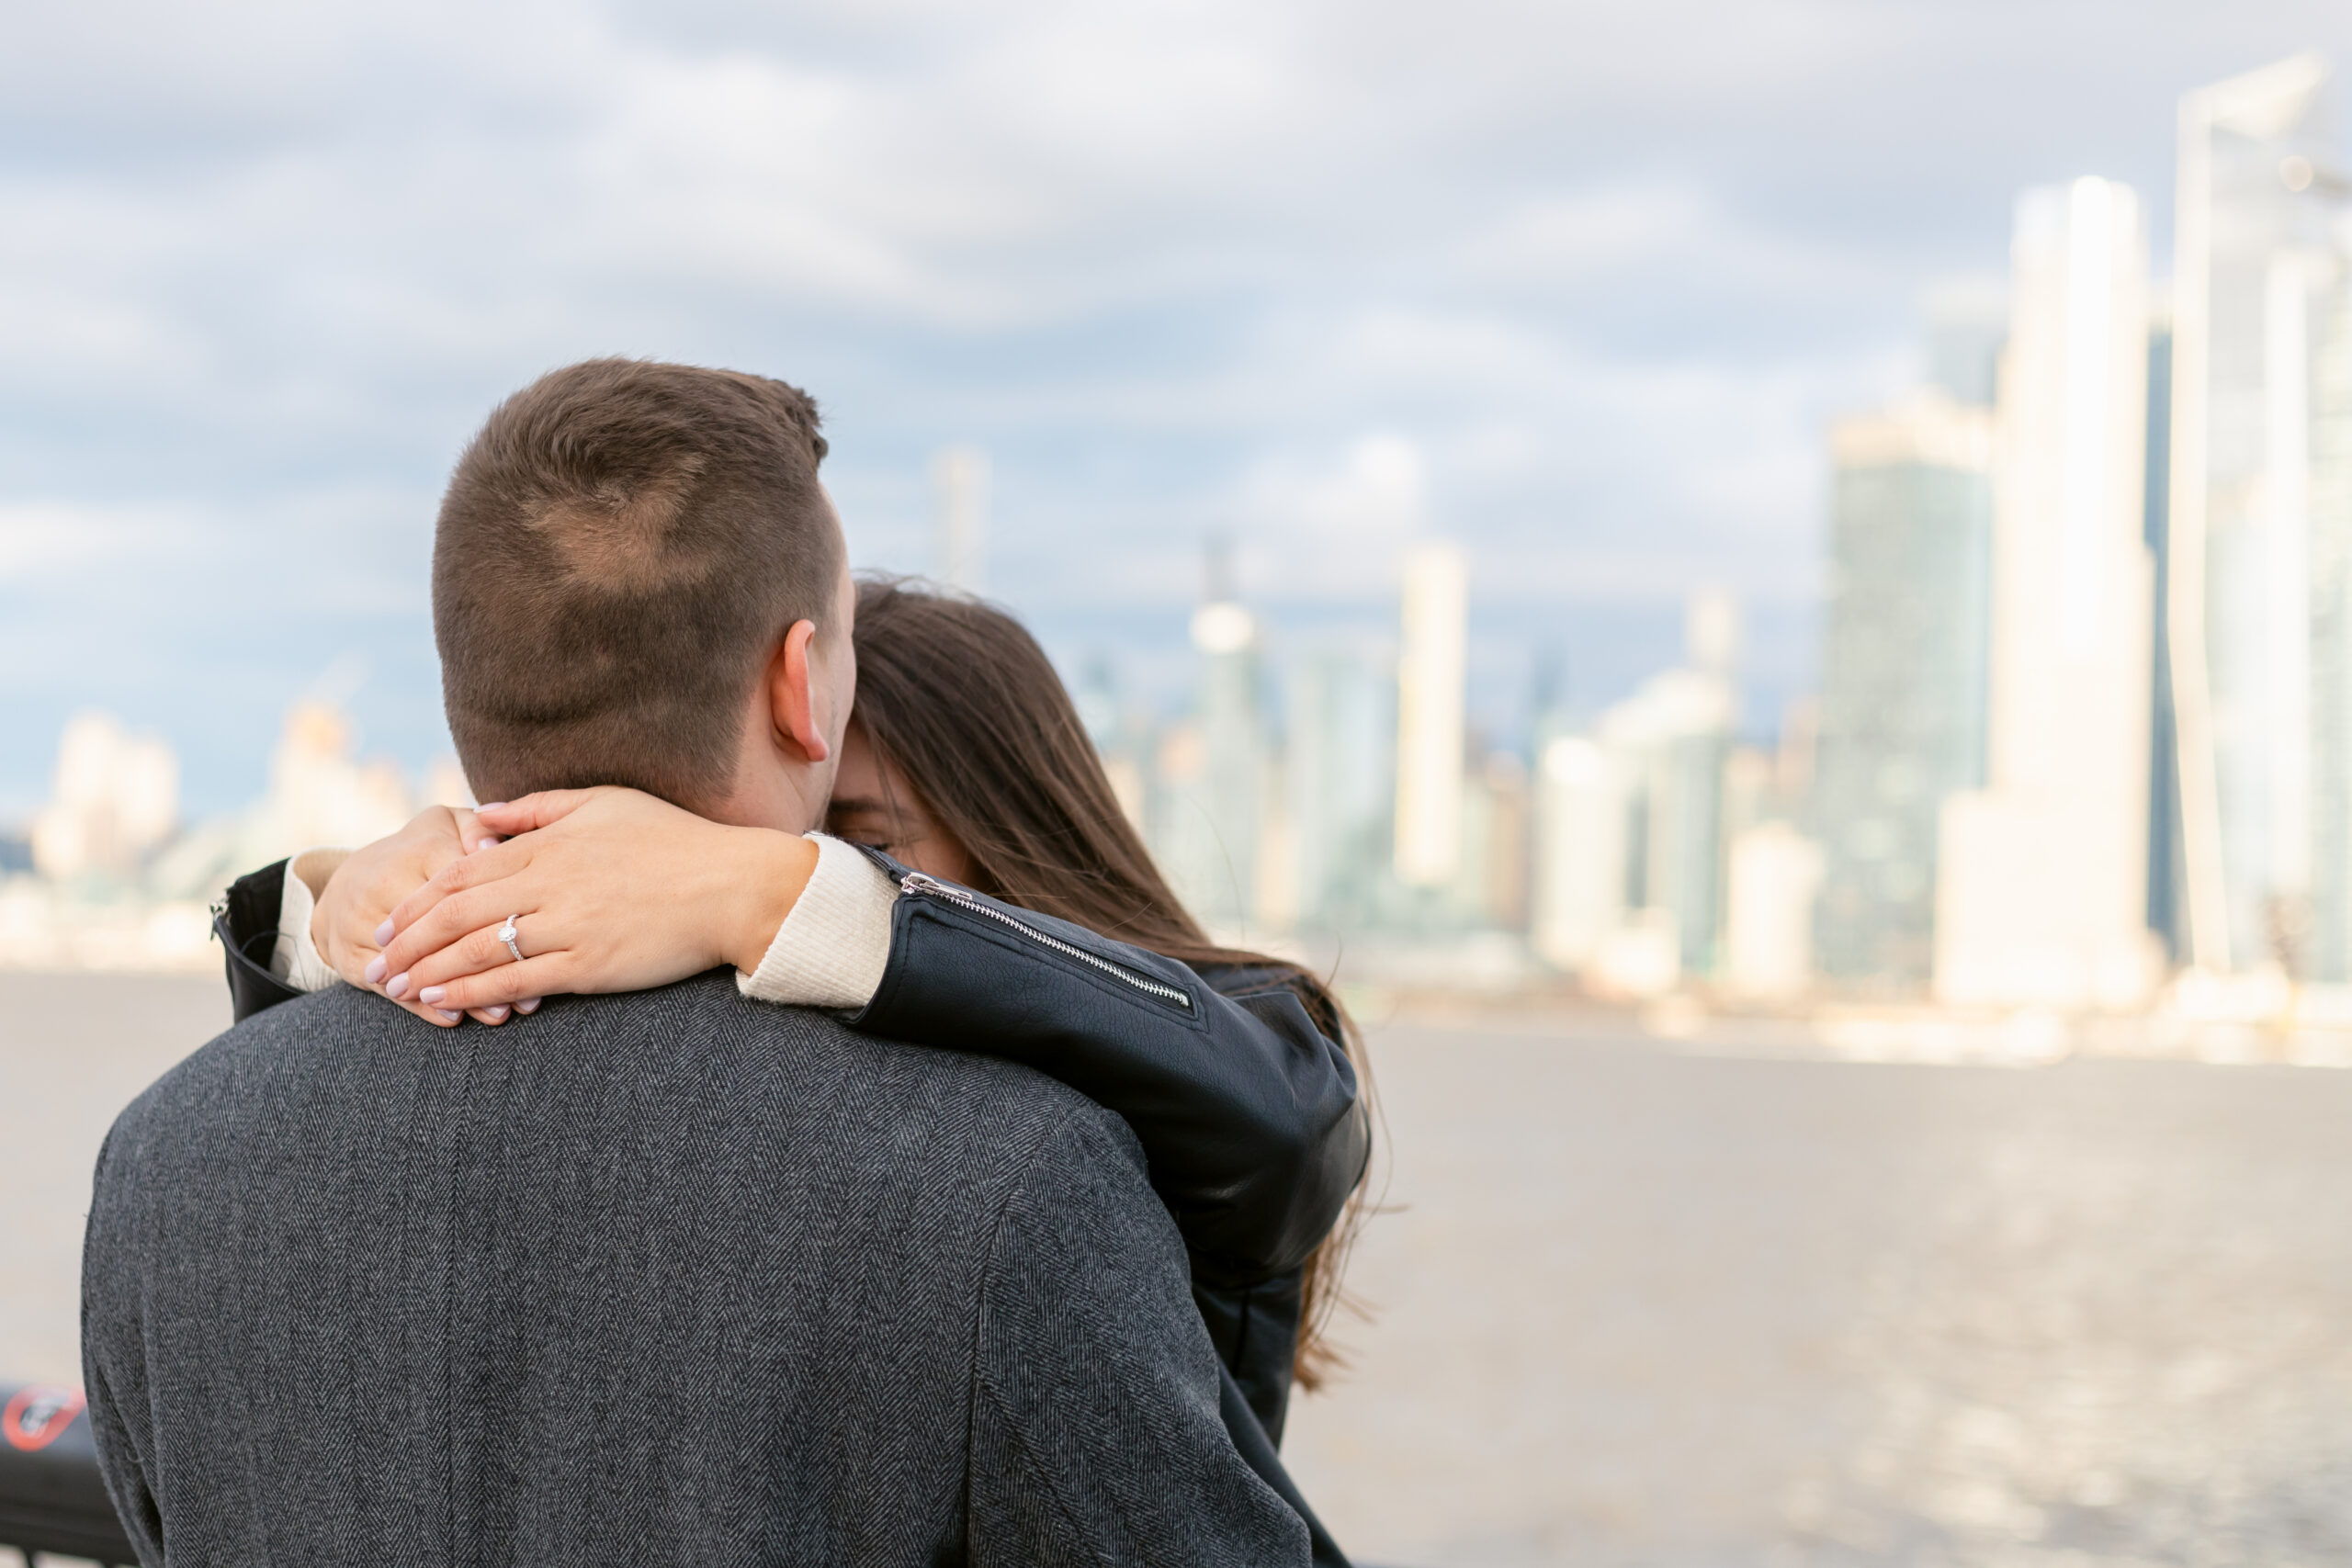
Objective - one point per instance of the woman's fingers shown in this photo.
(436, 944)
(507, 985)
(472, 834)
(464, 873)
(478, 951)
(345, 922)
(533, 811)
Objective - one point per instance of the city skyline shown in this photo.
(2091, 568)
(1298, 277)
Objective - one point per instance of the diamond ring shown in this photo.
(506, 935)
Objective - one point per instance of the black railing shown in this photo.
(52, 1498)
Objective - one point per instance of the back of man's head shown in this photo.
(618, 552)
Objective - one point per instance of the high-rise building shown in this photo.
(1968, 321)
(1774, 872)
(2259, 596)
(115, 799)
(1629, 822)
(2041, 896)
(960, 547)
(1670, 740)
(1338, 770)
(1579, 882)
(1119, 736)
(1689, 714)
(1900, 726)
(1215, 773)
(321, 792)
(1491, 884)
(2164, 760)
(1433, 670)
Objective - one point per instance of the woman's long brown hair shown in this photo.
(959, 700)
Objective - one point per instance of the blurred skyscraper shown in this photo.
(1579, 884)
(115, 799)
(2042, 892)
(1339, 772)
(1680, 724)
(2259, 599)
(1901, 723)
(1774, 872)
(1119, 737)
(1433, 670)
(1628, 885)
(1672, 737)
(2164, 760)
(1968, 320)
(1215, 771)
(1771, 870)
(960, 474)
(321, 792)
(1490, 886)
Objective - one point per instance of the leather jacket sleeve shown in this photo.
(1247, 1112)
(245, 922)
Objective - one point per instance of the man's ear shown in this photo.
(792, 695)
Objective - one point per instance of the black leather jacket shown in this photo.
(1248, 1112)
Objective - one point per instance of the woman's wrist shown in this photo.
(764, 873)
(319, 924)
(314, 872)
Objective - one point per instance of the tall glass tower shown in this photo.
(1209, 809)
(1430, 673)
(2259, 586)
(1902, 677)
(2042, 898)
(1339, 771)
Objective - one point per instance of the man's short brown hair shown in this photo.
(619, 549)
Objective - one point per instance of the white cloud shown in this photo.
(1629, 234)
(1333, 531)
(52, 543)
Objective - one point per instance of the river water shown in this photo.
(1634, 1305)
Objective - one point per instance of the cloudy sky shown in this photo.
(1576, 284)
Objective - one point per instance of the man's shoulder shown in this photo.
(746, 1065)
(804, 1053)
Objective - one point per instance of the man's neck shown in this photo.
(790, 801)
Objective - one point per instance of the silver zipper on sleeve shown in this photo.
(917, 882)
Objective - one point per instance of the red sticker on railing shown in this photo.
(38, 1416)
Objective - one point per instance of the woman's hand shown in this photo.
(349, 914)
(610, 889)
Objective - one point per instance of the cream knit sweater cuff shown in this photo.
(296, 959)
(835, 942)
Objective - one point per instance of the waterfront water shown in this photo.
(1650, 1308)
(1637, 1306)
(74, 1050)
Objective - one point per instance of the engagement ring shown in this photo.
(506, 935)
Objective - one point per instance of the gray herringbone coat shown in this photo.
(662, 1278)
